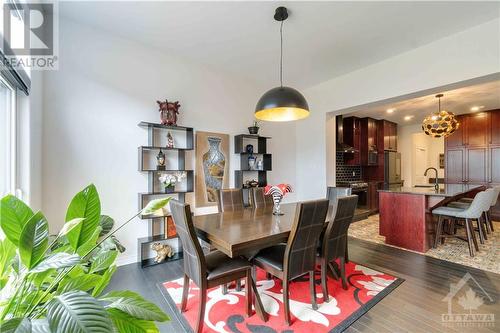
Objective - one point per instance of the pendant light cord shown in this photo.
(281, 54)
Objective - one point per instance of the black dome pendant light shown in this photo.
(281, 103)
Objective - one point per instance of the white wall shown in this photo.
(411, 136)
(104, 87)
(466, 55)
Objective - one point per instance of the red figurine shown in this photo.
(168, 112)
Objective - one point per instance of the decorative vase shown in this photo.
(249, 149)
(170, 189)
(260, 165)
(253, 130)
(251, 162)
(214, 163)
(277, 204)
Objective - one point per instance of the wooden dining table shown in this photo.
(245, 231)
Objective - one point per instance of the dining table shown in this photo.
(245, 231)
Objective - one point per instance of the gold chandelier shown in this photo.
(440, 124)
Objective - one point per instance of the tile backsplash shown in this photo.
(344, 173)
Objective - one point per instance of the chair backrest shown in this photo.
(480, 204)
(259, 199)
(496, 190)
(332, 194)
(230, 199)
(300, 253)
(194, 259)
(335, 237)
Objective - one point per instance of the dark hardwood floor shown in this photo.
(415, 306)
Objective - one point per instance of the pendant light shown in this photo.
(440, 124)
(281, 103)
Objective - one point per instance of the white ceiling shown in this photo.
(321, 39)
(458, 101)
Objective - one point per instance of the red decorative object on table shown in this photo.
(277, 192)
(168, 112)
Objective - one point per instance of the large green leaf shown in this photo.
(125, 323)
(154, 205)
(82, 282)
(106, 224)
(133, 304)
(16, 325)
(57, 261)
(84, 249)
(40, 326)
(77, 312)
(34, 240)
(106, 277)
(85, 204)
(13, 216)
(7, 253)
(102, 261)
(70, 225)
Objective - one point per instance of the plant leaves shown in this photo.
(70, 225)
(40, 326)
(124, 322)
(106, 277)
(7, 253)
(106, 224)
(154, 205)
(34, 240)
(91, 242)
(13, 216)
(16, 325)
(85, 204)
(41, 277)
(57, 261)
(102, 261)
(133, 304)
(82, 282)
(77, 312)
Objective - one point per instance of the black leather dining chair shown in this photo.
(230, 199)
(298, 256)
(334, 241)
(207, 271)
(259, 199)
(332, 194)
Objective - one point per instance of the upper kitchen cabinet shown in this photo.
(390, 131)
(457, 139)
(369, 148)
(494, 117)
(352, 137)
(476, 129)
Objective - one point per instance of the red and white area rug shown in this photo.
(226, 313)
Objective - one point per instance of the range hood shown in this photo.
(342, 147)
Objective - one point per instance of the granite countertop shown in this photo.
(445, 190)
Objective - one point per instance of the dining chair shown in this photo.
(298, 256)
(208, 271)
(332, 194)
(334, 241)
(480, 203)
(230, 199)
(259, 199)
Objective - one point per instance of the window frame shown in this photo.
(12, 136)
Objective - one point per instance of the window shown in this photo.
(7, 138)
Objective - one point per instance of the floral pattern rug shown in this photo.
(226, 313)
(454, 250)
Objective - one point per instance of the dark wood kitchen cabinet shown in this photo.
(369, 148)
(373, 188)
(352, 136)
(390, 130)
(472, 153)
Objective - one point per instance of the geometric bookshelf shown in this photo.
(160, 225)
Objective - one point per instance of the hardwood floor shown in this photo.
(415, 306)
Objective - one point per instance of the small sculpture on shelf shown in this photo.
(249, 149)
(260, 164)
(251, 183)
(160, 161)
(168, 112)
(163, 251)
(251, 162)
(277, 192)
(170, 140)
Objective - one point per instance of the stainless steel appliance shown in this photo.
(392, 169)
(359, 188)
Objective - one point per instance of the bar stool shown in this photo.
(489, 221)
(480, 203)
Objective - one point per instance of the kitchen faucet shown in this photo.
(436, 184)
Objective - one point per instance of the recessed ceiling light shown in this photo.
(477, 108)
(408, 118)
(390, 110)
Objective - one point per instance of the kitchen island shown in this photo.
(405, 212)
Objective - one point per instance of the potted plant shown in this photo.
(55, 283)
(169, 180)
(254, 129)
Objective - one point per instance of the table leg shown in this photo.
(259, 308)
